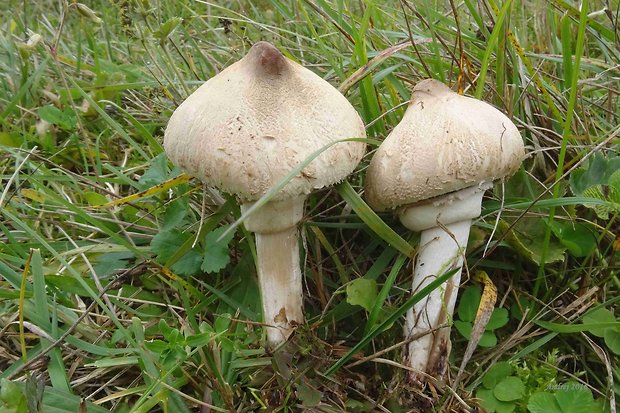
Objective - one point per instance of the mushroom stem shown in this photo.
(279, 277)
(441, 250)
(444, 223)
(277, 256)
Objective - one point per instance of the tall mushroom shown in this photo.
(434, 168)
(243, 131)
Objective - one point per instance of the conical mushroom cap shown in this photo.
(445, 142)
(247, 127)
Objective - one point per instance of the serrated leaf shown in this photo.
(543, 402)
(216, 253)
(509, 389)
(107, 264)
(174, 215)
(498, 372)
(602, 315)
(188, 264)
(468, 304)
(362, 292)
(166, 243)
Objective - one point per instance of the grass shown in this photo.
(104, 305)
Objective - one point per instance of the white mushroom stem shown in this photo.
(445, 222)
(279, 273)
(279, 277)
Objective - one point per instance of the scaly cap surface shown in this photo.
(445, 142)
(247, 127)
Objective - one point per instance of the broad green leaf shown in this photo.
(498, 372)
(612, 340)
(468, 304)
(216, 254)
(527, 239)
(107, 264)
(543, 402)
(498, 319)
(602, 315)
(65, 119)
(175, 213)
(94, 198)
(576, 237)
(488, 339)
(362, 292)
(12, 396)
(574, 397)
(188, 264)
(509, 389)
(463, 327)
(490, 403)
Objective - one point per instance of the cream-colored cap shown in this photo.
(247, 127)
(445, 142)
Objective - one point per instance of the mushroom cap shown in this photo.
(246, 128)
(445, 142)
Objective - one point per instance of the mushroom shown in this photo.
(434, 168)
(243, 131)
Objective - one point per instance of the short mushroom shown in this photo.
(245, 130)
(434, 168)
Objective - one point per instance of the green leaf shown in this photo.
(468, 305)
(11, 395)
(498, 372)
(167, 28)
(174, 215)
(490, 403)
(509, 389)
(65, 119)
(94, 198)
(602, 315)
(216, 254)
(362, 292)
(612, 340)
(543, 402)
(574, 397)
(188, 264)
(166, 244)
(156, 174)
(488, 339)
(498, 319)
(199, 340)
(464, 328)
(575, 328)
(527, 238)
(222, 322)
(309, 396)
(598, 172)
(576, 237)
(107, 264)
